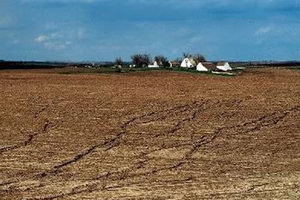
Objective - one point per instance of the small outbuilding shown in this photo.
(206, 67)
(188, 63)
(174, 63)
(155, 65)
(224, 66)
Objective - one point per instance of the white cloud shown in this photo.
(41, 38)
(59, 40)
(57, 45)
(196, 39)
(263, 30)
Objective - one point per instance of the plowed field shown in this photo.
(149, 135)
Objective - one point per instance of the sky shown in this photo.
(101, 30)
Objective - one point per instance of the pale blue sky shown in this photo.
(94, 30)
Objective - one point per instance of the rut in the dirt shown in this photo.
(32, 134)
(119, 176)
(115, 141)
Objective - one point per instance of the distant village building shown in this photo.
(174, 63)
(188, 63)
(205, 67)
(224, 66)
(154, 65)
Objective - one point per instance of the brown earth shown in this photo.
(149, 135)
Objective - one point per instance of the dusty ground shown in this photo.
(150, 135)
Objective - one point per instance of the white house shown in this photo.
(224, 66)
(205, 67)
(155, 65)
(188, 63)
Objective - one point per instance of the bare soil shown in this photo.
(149, 135)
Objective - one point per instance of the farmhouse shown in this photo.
(224, 66)
(188, 63)
(155, 65)
(205, 67)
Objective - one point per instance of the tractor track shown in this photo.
(108, 145)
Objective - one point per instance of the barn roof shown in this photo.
(221, 63)
(209, 65)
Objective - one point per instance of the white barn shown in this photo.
(155, 65)
(188, 63)
(205, 67)
(224, 66)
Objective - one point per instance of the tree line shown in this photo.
(143, 60)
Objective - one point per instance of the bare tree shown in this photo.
(119, 61)
(199, 58)
(196, 57)
(141, 60)
(162, 60)
(186, 55)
